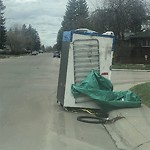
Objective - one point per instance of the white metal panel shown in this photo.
(82, 68)
(86, 50)
(105, 51)
(69, 100)
(86, 57)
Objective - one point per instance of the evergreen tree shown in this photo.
(76, 16)
(82, 14)
(59, 39)
(35, 43)
(2, 26)
(70, 21)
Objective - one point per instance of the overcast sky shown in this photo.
(44, 15)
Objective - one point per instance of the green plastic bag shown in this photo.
(100, 89)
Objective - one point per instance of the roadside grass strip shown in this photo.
(143, 91)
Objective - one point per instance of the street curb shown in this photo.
(134, 70)
(130, 133)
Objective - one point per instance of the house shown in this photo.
(135, 49)
(139, 45)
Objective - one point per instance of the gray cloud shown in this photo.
(44, 15)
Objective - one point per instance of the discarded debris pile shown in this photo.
(100, 89)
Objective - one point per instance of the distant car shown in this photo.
(56, 54)
(2, 51)
(108, 33)
(34, 53)
(40, 51)
(28, 51)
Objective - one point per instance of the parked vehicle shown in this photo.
(56, 54)
(40, 51)
(34, 53)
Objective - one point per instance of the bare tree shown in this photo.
(120, 16)
(22, 38)
(16, 41)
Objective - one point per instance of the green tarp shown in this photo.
(100, 89)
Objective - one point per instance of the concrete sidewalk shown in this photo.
(133, 131)
(133, 70)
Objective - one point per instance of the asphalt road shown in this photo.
(30, 118)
